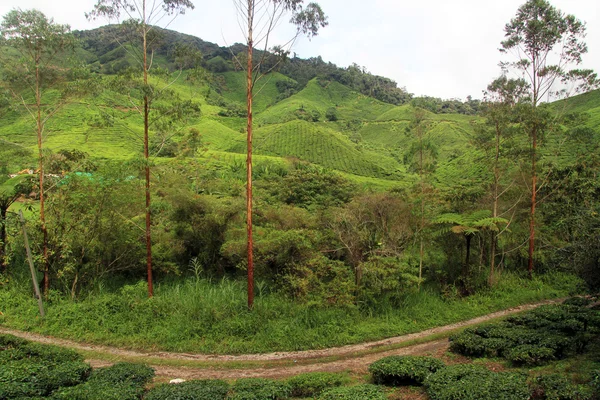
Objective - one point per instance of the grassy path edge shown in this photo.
(101, 355)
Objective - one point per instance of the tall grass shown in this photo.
(197, 315)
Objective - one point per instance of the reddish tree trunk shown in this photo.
(3, 263)
(40, 131)
(147, 163)
(533, 203)
(249, 87)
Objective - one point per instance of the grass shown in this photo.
(200, 316)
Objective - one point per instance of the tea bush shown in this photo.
(359, 392)
(100, 390)
(546, 333)
(191, 390)
(404, 370)
(121, 381)
(24, 378)
(259, 389)
(474, 382)
(136, 374)
(557, 387)
(313, 383)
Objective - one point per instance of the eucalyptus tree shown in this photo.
(258, 19)
(140, 17)
(421, 158)
(33, 52)
(502, 100)
(546, 44)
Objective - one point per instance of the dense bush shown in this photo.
(99, 390)
(596, 383)
(137, 374)
(359, 392)
(313, 383)
(404, 370)
(10, 341)
(527, 354)
(37, 351)
(121, 381)
(191, 390)
(29, 378)
(473, 382)
(557, 387)
(259, 389)
(546, 333)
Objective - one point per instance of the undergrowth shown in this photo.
(197, 315)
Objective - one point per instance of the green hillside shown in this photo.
(319, 96)
(324, 122)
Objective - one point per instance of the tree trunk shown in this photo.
(40, 132)
(147, 160)
(494, 239)
(249, 87)
(468, 256)
(3, 261)
(533, 201)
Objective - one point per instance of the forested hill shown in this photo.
(104, 52)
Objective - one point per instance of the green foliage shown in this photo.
(557, 387)
(26, 377)
(543, 334)
(259, 389)
(30, 369)
(100, 390)
(121, 381)
(359, 392)
(596, 383)
(307, 186)
(527, 354)
(404, 370)
(321, 282)
(190, 390)
(313, 383)
(210, 315)
(331, 114)
(122, 372)
(466, 382)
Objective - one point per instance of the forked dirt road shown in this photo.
(353, 358)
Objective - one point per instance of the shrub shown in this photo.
(577, 301)
(48, 353)
(473, 382)
(557, 387)
(136, 374)
(529, 354)
(24, 378)
(191, 390)
(313, 383)
(99, 390)
(468, 343)
(360, 392)
(596, 383)
(259, 389)
(10, 341)
(403, 370)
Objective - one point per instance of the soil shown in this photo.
(353, 358)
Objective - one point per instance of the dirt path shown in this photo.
(354, 358)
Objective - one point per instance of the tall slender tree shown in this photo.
(258, 19)
(545, 43)
(42, 46)
(141, 16)
(421, 158)
(502, 98)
